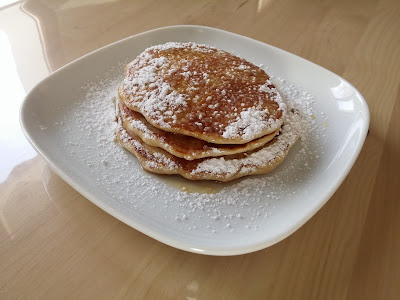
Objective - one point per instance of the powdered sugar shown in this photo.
(255, 160)
(250, 122)
(175, 45)
(161, 97)
(87, 133)
(253, 120)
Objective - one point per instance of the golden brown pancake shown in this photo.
(181, 145)
(203, 92)
(225, 168)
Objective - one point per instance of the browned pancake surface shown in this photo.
(203, 92)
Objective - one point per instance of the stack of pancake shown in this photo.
(202, 113)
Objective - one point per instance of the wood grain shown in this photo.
(55, 244)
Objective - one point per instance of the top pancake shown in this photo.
(203, 92)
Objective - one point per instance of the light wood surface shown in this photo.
(55, 244)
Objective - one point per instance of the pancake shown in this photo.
(225, 168)
(203, 92)
(183, 146)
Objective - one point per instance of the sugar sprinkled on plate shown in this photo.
(88, 133)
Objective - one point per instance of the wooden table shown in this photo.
(56, 244)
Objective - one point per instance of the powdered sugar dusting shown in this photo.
(249, 122)
(252, 121)
(160, 97)
(87, 132)
(255, 160)
(175, 45)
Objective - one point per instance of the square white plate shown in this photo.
(245, 216)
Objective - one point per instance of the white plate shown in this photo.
(245, 216)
